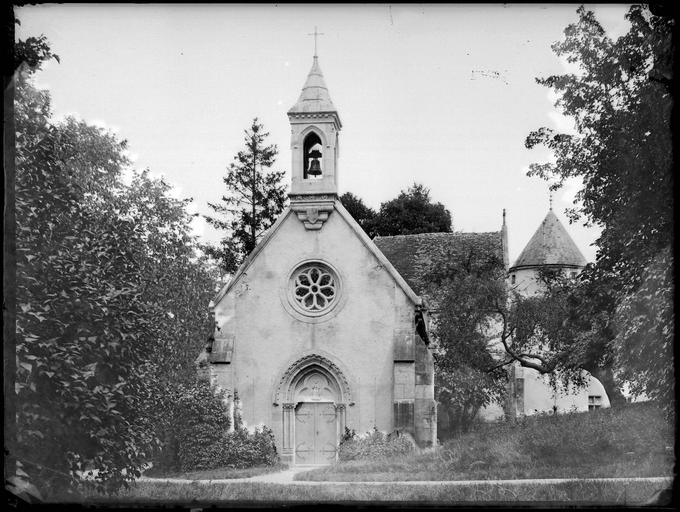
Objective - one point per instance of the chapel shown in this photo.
(317, 330)
(322, 329)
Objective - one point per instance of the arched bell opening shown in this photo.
(312, 160)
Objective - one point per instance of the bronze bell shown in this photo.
(314, 167)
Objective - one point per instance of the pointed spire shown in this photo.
(314, 96)
(550, 245)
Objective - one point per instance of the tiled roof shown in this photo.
(414, 255)
(550, 245)
(314, 96)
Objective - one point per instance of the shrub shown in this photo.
(195, 433)
(373, 445)
(348, 435)
(193, 422)
(241, 449)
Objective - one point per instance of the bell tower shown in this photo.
(315, 125)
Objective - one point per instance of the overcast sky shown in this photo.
(444, 95)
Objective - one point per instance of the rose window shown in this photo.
(314, 288)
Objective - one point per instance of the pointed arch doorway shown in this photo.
(315, 394)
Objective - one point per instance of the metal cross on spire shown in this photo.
(550, 192)
(315, 34)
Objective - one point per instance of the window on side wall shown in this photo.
(594, 402)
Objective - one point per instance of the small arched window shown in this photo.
(312, 160)
(512, 279)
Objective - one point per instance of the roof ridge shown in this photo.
(450, 233)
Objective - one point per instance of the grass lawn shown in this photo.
(217, 474)
(630, 441)
(206, 494)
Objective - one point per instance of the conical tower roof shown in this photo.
(550, 245)
(314, 96)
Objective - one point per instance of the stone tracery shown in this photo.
(284, 389)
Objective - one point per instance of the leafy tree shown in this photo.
(79, 352)
(111, 296)
(32, 52)
(412, 212)
(254, 201)
(621, 103)
(561, 330)
(646, 320)
(364, 215)
(468, 374)
(178, 281)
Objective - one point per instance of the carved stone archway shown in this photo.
(311, 378)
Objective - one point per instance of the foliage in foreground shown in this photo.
(196, 436)
(635, 440)
(193, 422)
(111, 300)
(372, 445)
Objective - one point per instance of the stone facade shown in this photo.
(317, 331)
(366, 347)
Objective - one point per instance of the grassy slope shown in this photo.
(632, 441)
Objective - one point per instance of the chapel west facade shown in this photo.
(317, 330)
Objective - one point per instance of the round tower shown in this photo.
(551, 248)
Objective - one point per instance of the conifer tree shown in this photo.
(253, 201)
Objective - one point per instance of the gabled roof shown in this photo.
(314, 97)
(550, 245)
(415, 255)
(365, 239)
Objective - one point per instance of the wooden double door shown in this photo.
(316, 438)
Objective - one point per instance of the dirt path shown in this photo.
(281, 477)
